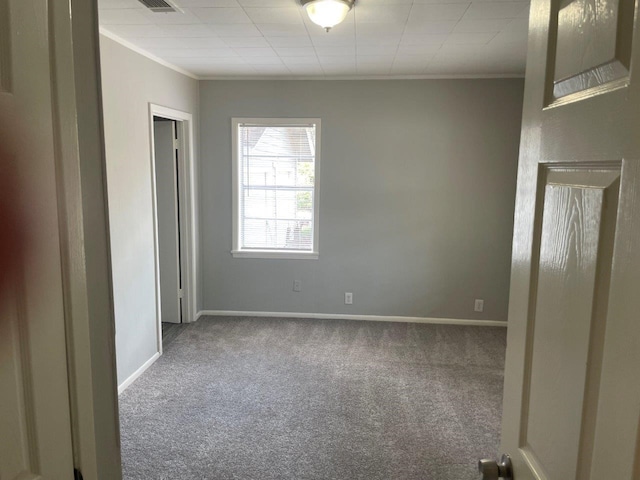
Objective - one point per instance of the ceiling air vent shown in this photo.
(160, 6)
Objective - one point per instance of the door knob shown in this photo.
(492, 470)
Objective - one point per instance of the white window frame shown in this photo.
(237, 251)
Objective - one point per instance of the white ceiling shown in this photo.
(265, 38)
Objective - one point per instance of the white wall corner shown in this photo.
(134, 376)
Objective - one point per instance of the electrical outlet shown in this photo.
(348, 298)
(479, 306)
(297, 286)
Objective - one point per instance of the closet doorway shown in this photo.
(173, 202)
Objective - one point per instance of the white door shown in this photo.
(166, 168)
(35, 431)
(572, 387)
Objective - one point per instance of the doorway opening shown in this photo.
(167, 153)
(174, 211)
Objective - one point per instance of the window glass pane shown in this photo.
(277, 186)
(278, 171)
(277, 234)
(277, 204)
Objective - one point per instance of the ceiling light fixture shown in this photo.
(327, 13)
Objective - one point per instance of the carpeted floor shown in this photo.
(246, 398)
(169, 332)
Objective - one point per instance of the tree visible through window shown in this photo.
(276, 166)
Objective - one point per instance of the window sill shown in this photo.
(274, 254)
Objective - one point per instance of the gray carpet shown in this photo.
(169, 332)
(246, 398)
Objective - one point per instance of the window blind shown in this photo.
(277, 186)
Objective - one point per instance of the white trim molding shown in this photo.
(236, 181)
(144, 53)
(188, 226)
(342, 316)
(451, 76)
(134, 376)
(287, 254)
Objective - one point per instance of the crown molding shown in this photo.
(107, 33)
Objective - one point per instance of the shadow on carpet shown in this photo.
(247, 398)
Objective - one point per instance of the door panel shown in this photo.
(168, 225)
(17, 446)
(618, 413)
(35, 416)
(5, 47)
(572, 396)
(579, 212)
(591, 44)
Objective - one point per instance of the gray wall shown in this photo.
(416, 198)
(130, 82)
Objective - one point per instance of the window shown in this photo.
(276, 170)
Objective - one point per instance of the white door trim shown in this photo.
(188, 227)
(84, 238)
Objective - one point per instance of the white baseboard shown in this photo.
(134, 376)
(341, 316)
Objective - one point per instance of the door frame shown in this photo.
(84, 238)
(187, 203)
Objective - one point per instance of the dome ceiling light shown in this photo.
(327, 13)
